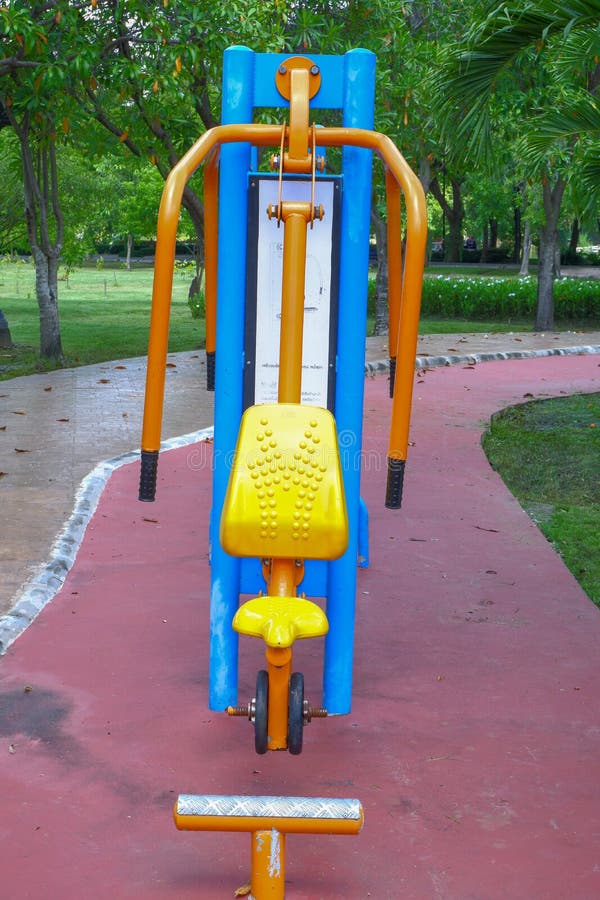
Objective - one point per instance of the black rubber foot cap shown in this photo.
(210, 370)
(148, 472)
(392, 374)
(395, 483)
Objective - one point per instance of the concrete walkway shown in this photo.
(473, 743)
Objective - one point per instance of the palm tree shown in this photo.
(529, 74)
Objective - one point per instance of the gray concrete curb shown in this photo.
(430, 362)
(46, 583)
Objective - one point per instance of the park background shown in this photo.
(493, 105)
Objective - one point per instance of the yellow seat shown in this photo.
(280, 620)
(285, 496)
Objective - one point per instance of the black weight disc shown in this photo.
(261, 712)
(296, 714)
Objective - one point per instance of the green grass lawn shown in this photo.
(548, 454)
(104, 315)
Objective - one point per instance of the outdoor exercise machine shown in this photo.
(287, 521)
(268, 820)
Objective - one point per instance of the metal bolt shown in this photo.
(313, 712)
(246, 711)
(282, 70)
(314, 70)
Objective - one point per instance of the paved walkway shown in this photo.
(55, 427)
(473, 743)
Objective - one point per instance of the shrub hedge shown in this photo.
(507, 298)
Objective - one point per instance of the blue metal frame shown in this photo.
(348, 83)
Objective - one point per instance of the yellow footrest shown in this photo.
(285, 496)
(280, 621)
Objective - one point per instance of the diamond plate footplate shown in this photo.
(275, 807)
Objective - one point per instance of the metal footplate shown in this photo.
(268, 819)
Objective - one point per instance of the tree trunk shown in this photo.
(46, 288)
(556, 267)
(574, 239)
(454, 213)
(425, 173)
(381, 296)
(129, 249)
(552, 196)
(5, 338)
(493, 233)
(524, 270)
(45, 226)
(517, 235)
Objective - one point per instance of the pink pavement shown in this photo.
(474, 739)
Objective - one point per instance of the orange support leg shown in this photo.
(268, 865)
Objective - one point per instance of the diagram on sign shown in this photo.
(317, 298)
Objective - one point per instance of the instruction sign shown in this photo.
(263, 295)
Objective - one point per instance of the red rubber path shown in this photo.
(474, 741)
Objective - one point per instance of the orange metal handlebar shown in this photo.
(409, 291)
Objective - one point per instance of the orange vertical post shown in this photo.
(394, 252)
(211, 252)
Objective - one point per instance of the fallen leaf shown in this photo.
(3, 474)
(452, 350)
(19, 450)
(518, 339)
(243, 891)
(120, 367)
(528, 394)
(28, 689)
(468, 367)
(63, 420)
(19, 412)
(171, 365)
(144, 519)
(12, 748)
(2, 427)
(493, 530)
(104, 381)
(47, 389)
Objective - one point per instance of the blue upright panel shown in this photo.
(359, 87)
(248, 81)
(238, 79)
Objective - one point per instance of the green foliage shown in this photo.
(547, 453)
(576, 299)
